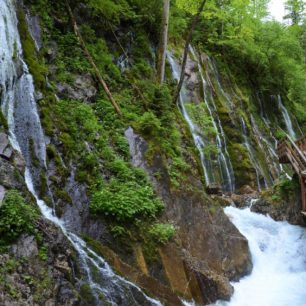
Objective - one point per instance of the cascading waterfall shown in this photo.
(26, 136)
(252, 156)
(195, 131)
(286, 117)
(279, 269)
(225, 165)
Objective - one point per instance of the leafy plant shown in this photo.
(126, 201)
(162, 233)
(16, 217)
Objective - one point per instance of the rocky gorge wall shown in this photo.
(88, 147)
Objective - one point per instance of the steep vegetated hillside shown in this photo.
(135, 174)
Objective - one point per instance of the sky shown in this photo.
(277, 9)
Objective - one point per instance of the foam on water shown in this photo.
(278, 252)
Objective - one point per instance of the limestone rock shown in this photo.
(83, 89)
(211, 246)
(8, 177)
(6, 150)
(26, 246)
(62, 265)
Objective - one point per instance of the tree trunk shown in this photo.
(91, 61)
(161, 63)
(194, 23)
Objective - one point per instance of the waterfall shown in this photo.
(286, 117)
(26, 136)
(252, 156)
(279, 269)
(226, 167)
(198, 139)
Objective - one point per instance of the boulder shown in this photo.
(6, 150)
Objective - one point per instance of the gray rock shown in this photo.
(8, 177)
(83, 89)
(38, 96)
(2, 194)
(19, 162)
(4, 143)
(137, 147)
(35, 30)
(26, 246)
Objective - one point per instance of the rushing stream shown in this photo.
(279, 263)
(26, 136)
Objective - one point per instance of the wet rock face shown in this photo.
(284, 210)
(8, 175)
(212, 251)
(27, 278)
(35, 30)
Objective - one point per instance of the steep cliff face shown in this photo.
(134, 187)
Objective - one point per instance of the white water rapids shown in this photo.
(279, 263)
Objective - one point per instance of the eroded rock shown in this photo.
(210, 245)
(26, 246)
(83, 89)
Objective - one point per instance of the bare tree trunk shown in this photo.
(194, 23)
(91, 61)
(161, 63)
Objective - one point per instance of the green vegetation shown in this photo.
(262, 56)
(126, 202)
(162, 233)
(16, 217)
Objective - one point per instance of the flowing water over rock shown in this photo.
(224, 167)
(279, 266)
(197, 135)
(253, 158)
(286, 117)
(26, 136)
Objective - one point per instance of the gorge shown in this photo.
(158, 204)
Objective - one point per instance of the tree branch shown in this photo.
(91, 61)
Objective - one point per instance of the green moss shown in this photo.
(86, 295)
(37, 69)
(3, 121)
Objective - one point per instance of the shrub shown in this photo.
(126, 201)
(16, 217)
(149, 125)
(162, 233)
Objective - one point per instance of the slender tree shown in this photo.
(161, 63)
(194, 23)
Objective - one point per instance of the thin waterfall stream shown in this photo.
(286, 117)
(198, 138)
(226, 168)
(25, 133)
